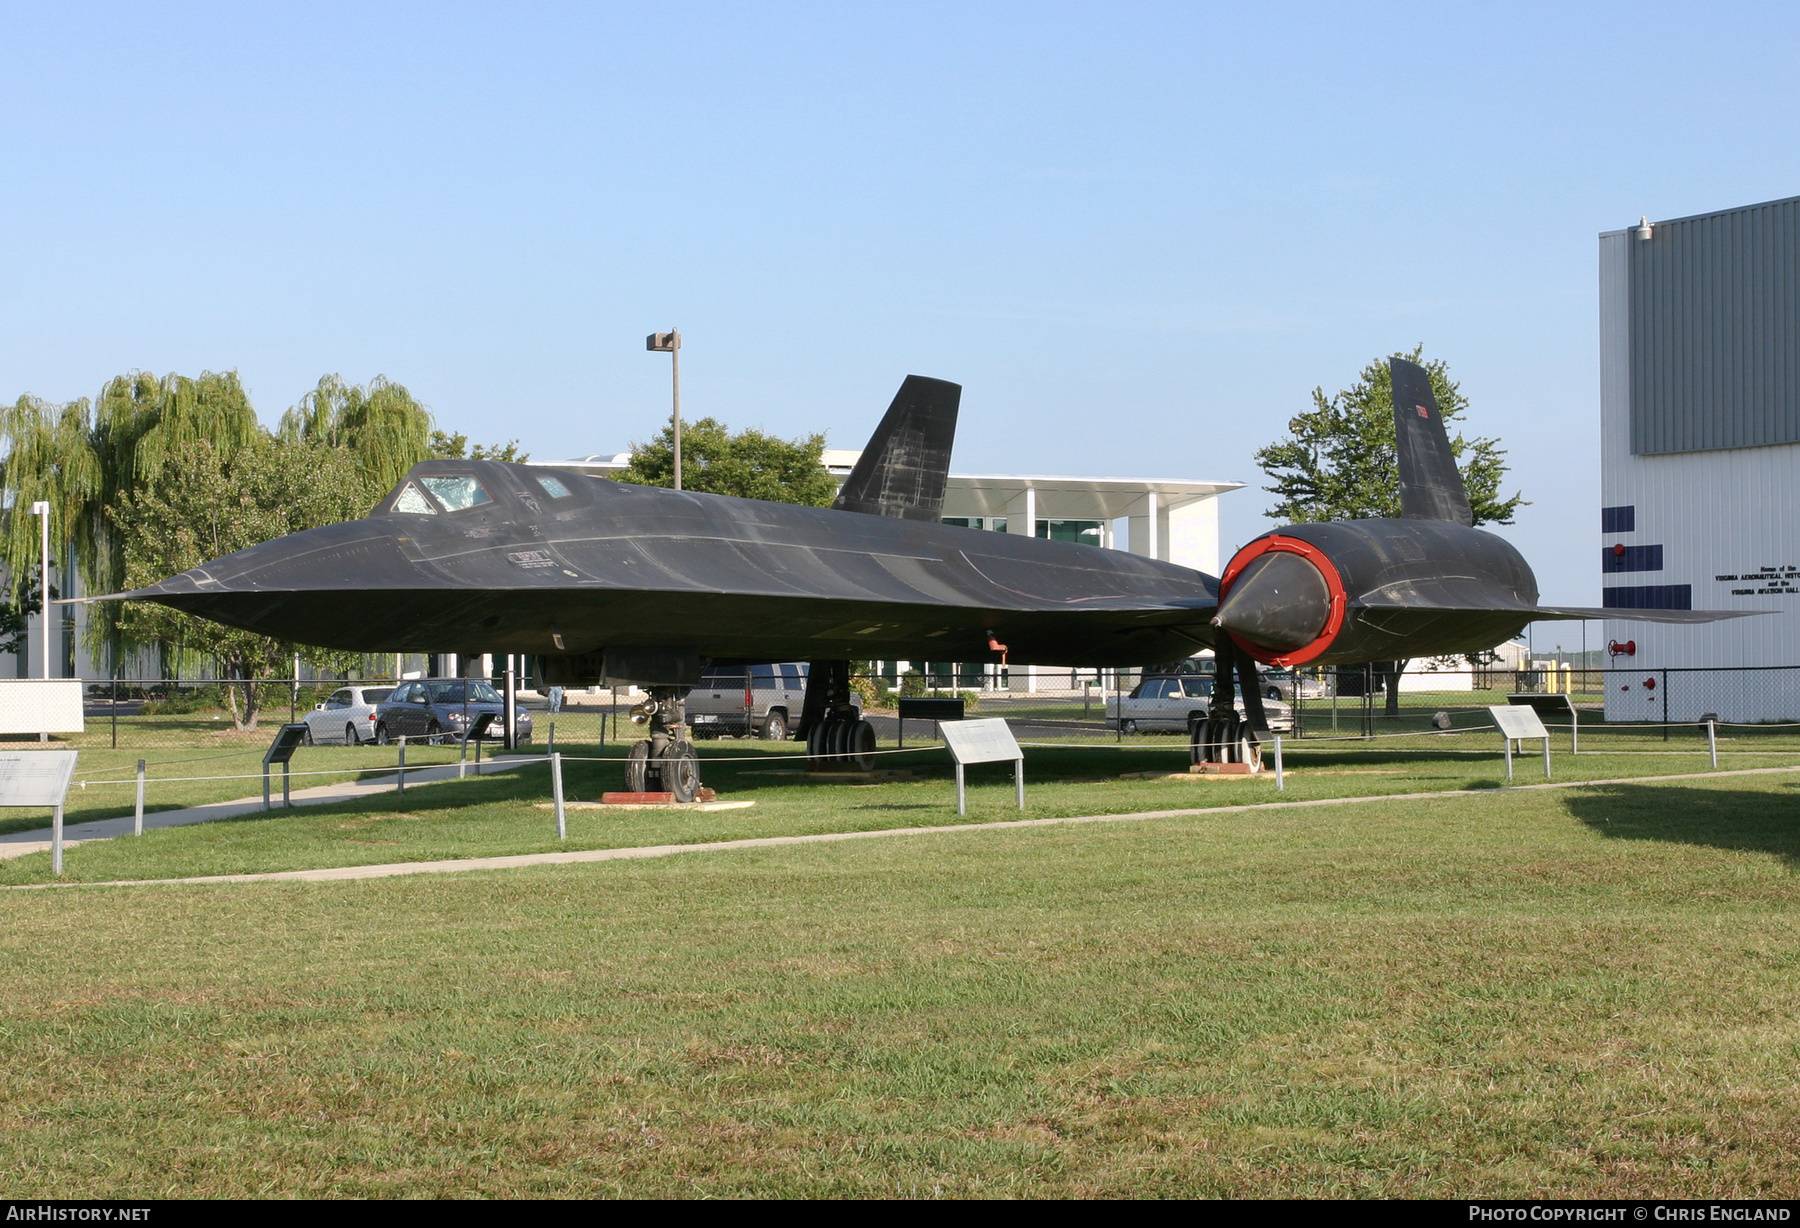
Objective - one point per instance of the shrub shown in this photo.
(873, 689)
(912, 685)
(971, 700)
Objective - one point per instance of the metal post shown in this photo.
(961, 806)
(137, 822)
(1508, 758)
(56, 841)
(510, 709)
(553, 737)
(265, 785)
(1118, 708)
(1280, 780)
(562, 827)
(400, 777)
(1665, 691)
(1546, 754)
(675, 369)
(1712, 742)
(1575, 724)
(115, 710)
(1019, 780)
(294, 693)
(286, 779)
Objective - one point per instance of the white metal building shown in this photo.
(1700, 452)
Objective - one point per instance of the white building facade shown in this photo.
(1700, 456)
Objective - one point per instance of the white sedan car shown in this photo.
(347, 717)
(1165, 702)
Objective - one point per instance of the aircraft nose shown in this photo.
(1279, 602)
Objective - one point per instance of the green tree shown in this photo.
(1339, 462)
(228, 500)
(447, 446)
(749, 464)
(381, 425)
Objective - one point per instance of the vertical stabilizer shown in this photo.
(1431, 488)
(903, 471)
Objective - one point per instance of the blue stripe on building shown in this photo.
(1635, 558)
(1648, 597)
(1618, 519)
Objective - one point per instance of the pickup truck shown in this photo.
(749, 701)
(1163, 703)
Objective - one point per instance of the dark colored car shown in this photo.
(436, 710)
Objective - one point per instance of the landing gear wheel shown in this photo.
(681, 771)
(350, 738)
(637, 768)
(816, 745)
(838, 732)
(775, 728)
(862, 747)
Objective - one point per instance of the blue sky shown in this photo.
(1138, 235)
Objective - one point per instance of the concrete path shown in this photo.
(398, 869)
(20, 843)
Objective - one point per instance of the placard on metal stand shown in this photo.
(928, 709)
(1554, 705)
(39, 778)
(281, 750)
(985, 741)
(1520, 724)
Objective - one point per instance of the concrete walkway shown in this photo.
(21, 843)
(401, 868)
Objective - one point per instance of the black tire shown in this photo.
(637, 768)
(816, 744)
(775, 727)
(350, 738)
(1274, 693)
(1127, 726)
(681, 771)
(382, 736)
(306, 739)
(434, 734)
(862, 746)
(839, 744)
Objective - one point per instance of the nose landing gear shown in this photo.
(665, 761)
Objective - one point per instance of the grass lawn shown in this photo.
(503, 814)
(1590, 992)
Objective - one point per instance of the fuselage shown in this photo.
(579, 565)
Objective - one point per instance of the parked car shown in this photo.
(1164, 703)
(744, 701)
(438, 709)
(348, 716)
(1280, 683)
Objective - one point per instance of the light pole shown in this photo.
(41, 510)
(670, 343)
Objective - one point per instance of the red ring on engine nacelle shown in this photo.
(1334, 584)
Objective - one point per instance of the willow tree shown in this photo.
(49, 457)
(383, 428)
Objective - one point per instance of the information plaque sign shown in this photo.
(288, 739)
(39, 778)
(1517, 723)
(984, 741)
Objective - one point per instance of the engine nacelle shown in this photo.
(1374, 590)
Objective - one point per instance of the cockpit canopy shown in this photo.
(435, 488)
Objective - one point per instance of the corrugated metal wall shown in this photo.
(1715, 331)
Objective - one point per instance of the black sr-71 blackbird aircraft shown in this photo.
(605, 581)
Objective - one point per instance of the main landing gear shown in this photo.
(1222, 735)
(838, 739)
(665, 761)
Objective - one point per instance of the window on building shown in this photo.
(1086, 532)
